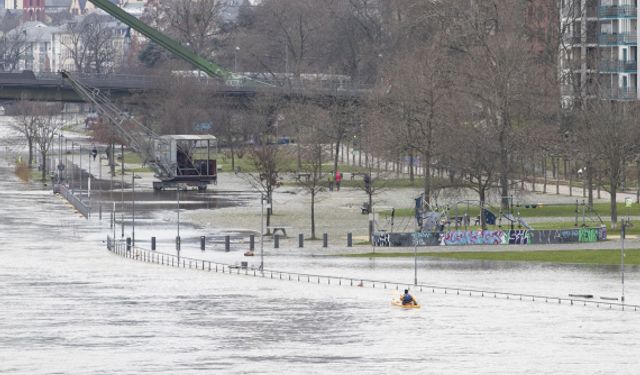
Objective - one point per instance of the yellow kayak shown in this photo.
(397, 302)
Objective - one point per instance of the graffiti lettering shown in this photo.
(587, 235)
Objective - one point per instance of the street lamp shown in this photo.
(415, 258)
(622, 236)
(178, 214)
(262, 199)
(133, 210)
(235, 59)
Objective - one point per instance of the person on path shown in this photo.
(94, 152)
(338, 180)
(330, 181)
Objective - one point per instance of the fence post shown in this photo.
(202, 240)
(227, 243)
(325, 240)
(276, 241)
(153, 243)
(349, 239)
(300, 240)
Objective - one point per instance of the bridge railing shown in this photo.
(170, 260)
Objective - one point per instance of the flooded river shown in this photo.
(67, 306)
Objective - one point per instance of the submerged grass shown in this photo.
(597, 257)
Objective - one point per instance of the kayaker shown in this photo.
(407, 299)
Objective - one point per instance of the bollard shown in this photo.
(252, 242)
(178, 243)
(128, 243)
(202, 239)
(227, 243)
(349, 239)
(153, 243)
(301, 240)
(325, 240)
(276, 241)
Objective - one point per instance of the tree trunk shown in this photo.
(411, 175)
(614, 207)
(371, 213)
(533, 174)
(233, 156)
(337, 156)
(427, 177)
(544, 174)
(570, 178)
(43, 155)
(638, 181)
(313, 217)
(590, 183)
(30, 145)
(482, 196)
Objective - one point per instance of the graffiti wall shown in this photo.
(491, 237)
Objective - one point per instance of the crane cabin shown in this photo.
(186, 160)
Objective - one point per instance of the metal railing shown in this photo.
(617, 11)
(618, 66)
(74, 200)
(618, 39)
(169, 260)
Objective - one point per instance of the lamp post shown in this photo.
(133, 210)
(122, 197)
(415, 258)
(60, 165)
(262, 199)
(72, 168)
(89, 186)
(622, 235)
(235, 59)
(178, 215)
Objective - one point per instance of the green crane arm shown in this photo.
(171, 45)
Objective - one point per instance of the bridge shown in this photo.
(52, 87)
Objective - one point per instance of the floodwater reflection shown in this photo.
(69, 306)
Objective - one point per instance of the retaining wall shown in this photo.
(491, 237)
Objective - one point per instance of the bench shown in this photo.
(279, 228)
(356, 174)
(301, 175)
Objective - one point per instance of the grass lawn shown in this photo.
(599, 257)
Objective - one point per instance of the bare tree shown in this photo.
(27, 118)
(286, 36)
(13, 47)
(421, 99)
(309, 120)
(90, 44)
(615, 126)
(197, 24)
(47, 126)
(494, 75)
(268, 163)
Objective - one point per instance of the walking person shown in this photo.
(330, 181)
(338, 180)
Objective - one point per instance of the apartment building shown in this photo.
(599, 52)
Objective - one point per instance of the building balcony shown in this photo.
(617, 11)
(618, 39)
(619, 93)
(576, 40)
(618, 66)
